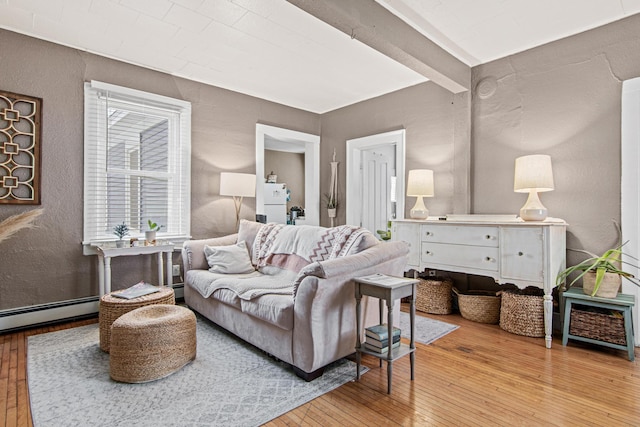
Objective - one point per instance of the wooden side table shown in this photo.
(386, 288)
(113, 307)
(623, 303)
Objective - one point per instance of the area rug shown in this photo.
(229, 384)
(427, 330)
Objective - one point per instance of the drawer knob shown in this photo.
(428, 253)
(520, 254)
(428, 233)
(488, 237)
(488, 259)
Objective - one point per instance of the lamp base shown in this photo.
(533, 209)
(419, 210)
(533, 214)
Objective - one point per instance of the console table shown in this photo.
(523, 253)
(104, 262)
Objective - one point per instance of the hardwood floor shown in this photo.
(477, 375)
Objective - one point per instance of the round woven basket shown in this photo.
(522, 312)
(479, 306)
(434, 296)
(112, 307)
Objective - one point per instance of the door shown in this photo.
(384, 150)
(378, 168)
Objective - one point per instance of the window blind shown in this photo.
(137, 161)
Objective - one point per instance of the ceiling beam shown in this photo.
(373, 25)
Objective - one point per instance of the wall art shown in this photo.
(20, 136)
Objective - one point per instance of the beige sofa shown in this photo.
(299, 304)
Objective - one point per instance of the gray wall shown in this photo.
(427, 112)
(561, 99)
(46, 264)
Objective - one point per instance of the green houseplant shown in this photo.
(121, 230)
(599, 271)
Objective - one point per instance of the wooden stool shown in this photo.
(112, 307)
(623, 303)
(152, 342)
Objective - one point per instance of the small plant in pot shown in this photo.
(150, 235)
(121, 230)
(601, 274)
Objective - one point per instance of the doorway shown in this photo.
(630, 184)
(375, 179)
(275, 138)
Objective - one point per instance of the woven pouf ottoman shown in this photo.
(112, 307)
(152, 342)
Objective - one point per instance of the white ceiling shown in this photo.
(273, 50)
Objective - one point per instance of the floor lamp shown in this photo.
(237, 185)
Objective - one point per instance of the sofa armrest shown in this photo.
(193, 251)
(324, 308)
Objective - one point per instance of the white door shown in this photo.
(378, 166)
(375, 192)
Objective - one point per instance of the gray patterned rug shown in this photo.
(229, 384)
(427, 330)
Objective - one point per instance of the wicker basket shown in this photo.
(479, 306)
(522, 312)
(434, 296)
(597, 324)
(113, 307)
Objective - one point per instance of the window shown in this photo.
(137, 157)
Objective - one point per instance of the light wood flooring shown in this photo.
(477, 375)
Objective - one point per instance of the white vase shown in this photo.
(150, 237)
(120, 243)
(331, 212)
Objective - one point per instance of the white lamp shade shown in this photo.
(237, 184)
(533, 173)
(420, 183)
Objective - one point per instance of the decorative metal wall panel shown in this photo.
(20, 136)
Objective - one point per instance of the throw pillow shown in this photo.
(232, 259)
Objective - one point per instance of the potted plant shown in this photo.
(120, 230)
(150, 235)
(332, 205)
(601, 274)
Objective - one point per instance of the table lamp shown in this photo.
(533, 174)
(420, 184)
(237, 185)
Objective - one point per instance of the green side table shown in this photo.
(623, 303)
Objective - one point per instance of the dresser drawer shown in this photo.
(477, 257)
(462, 235)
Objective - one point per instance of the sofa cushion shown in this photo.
(247, 231)
(232, 259)
(274, 309)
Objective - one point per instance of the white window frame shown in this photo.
(178, 114)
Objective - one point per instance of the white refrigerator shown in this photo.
(275, 202)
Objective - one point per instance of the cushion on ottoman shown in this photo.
(152, 342)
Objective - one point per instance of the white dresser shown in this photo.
(522, 253)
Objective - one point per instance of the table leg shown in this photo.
(358, 341)
(412, 317)
(160, 269)
(170, 269)
(390, 340)
(380, 310)
(107, 275)
(567, 321)
(100, 275)
(628, 328)
(548, 313)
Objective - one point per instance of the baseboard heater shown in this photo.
(37, 315)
